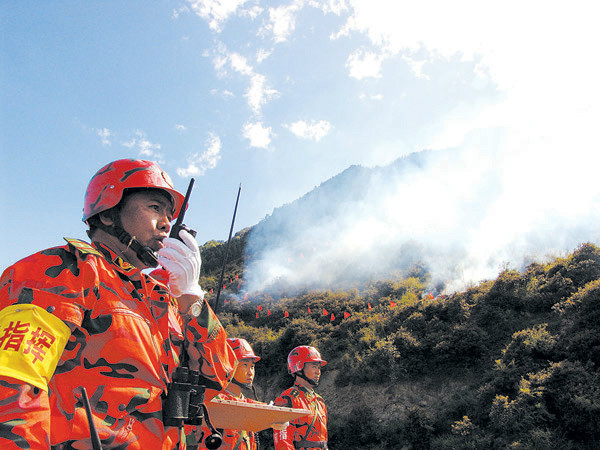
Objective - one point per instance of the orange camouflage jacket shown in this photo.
(78, 315)
(307, 432)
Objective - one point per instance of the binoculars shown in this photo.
(184, 404)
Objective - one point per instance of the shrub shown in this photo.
(301, 331)
(418, 430)
(560, 404)
(463, 346)
(381, 362)
(357, 430)
(581, 314)
(584, 265)
(530, 349)
(409, 355)
(507, 291)
(572, 395)
(463, 427)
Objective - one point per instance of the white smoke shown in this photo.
(464, 214)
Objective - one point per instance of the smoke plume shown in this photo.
(499, 200)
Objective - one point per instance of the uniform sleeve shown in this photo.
(24, 407)
(24, 416)
(39, 298)
(209, 352)
(284, 400)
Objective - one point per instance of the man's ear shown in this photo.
(106, 217)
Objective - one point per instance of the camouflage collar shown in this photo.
(117, 262)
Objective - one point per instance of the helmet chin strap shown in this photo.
(300, 374)
(144, 253)
(243, 385)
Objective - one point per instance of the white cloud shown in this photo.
(199, 163)
(516, 46)
(240, 64)
(330, 6)
(313, 130)
(215, 12)
(416, 65)
(223, 59)
(253, 12)
(146, 149)
(364, 96)
(259, 93)
(258, 135)
(282, 21)
(104, 134)
(363, 64)
(223, 93)
(219, 63)
(178, 11)
(262, 54)
(180, 127)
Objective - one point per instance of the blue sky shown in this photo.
(281, 95)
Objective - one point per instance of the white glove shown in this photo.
(182, 261)
(280, 426)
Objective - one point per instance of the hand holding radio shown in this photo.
(181, 258)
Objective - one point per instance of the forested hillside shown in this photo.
(509, 363)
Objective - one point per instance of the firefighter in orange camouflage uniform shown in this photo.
(85, 315)
(243, 378)
(308, 432)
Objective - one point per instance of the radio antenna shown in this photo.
(216, 304)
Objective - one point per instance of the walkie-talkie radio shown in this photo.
(178, 225)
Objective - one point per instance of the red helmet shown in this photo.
(106, 187)
(301, 355)
(242, 349)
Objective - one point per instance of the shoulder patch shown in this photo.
(82, 247)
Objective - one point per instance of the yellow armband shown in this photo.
(31, 343)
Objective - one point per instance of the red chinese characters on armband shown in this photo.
(14, 338)
(31, 343)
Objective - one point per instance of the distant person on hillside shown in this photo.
(308, 432)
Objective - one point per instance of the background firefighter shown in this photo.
(243, 378)
(307, 432)
(86, 315)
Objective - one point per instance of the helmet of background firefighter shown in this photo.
(106, 187)
(242, 349)
(301, 355)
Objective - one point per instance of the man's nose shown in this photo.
(164, 223)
